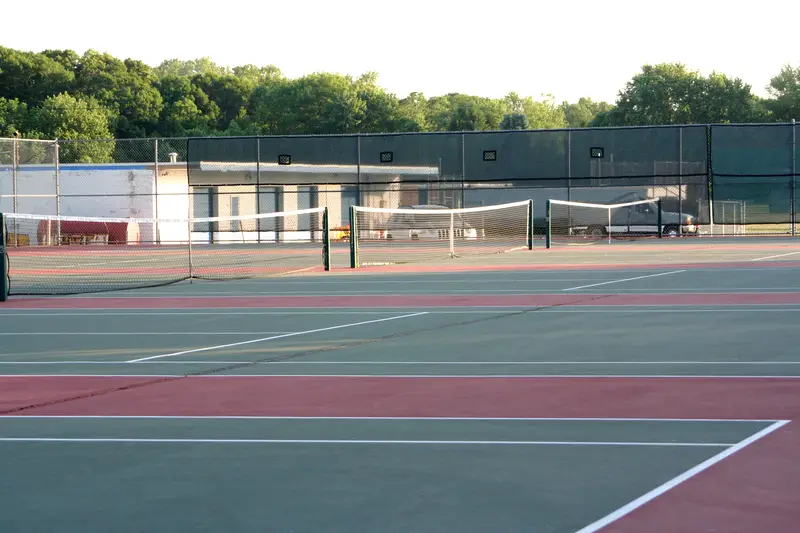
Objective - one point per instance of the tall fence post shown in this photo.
(794, 178)
(258, 187)
(359, 192)
(710, 175)
(157, 235)
(680, 182)
(463, 166)
(569, 165)
(58, 189)
(14, 173)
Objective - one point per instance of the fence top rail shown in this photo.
(413, 133)
(42, 141)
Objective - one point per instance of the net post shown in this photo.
(452, 236)
(326, 240)
(191, 265)
(608, 229)
(4, 282)
(660, 226)
(530, 224)
(353, 237)
(549, 223)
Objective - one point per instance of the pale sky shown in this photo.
(489, 48)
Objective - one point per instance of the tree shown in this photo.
(545, 114)
(125, 87)
(462, 112)
(192, 67)
(515, 121)
(320, 103)
(668, 93)
(13, 117)
(784, 90)
(258, 75)
(382, 110)
(31, 78)
(412, 113)
(583, 112)
(186, 108)
(229, 93)
(67, 117)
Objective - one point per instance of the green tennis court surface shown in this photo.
(210, 407)
(340, 475)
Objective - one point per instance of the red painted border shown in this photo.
(410, 301)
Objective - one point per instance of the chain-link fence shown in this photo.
(734, 179)
(28, 180)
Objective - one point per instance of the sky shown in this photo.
(569, 49)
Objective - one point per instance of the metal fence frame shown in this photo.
(160, 153)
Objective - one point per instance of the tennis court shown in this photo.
(637, 387)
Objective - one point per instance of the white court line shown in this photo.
(148, 333)
(389, 418)
(264, 339)
(368, 441)
(624, 280)
(748, 308)
(658, 491)
(468, 363)
(407, 363)
(774, 256)
(705, 377)
(144, 311)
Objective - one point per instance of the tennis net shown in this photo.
(576, 223)
(381, 236)
(49, 255)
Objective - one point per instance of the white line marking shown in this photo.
(364, 441)
(264, 339)
(405, 418)
(467, 363)
(115, 333)
(658, 491)
(99, 312)
(774, 256)
(411, 363)
(419, 376)
(621, 309)
(624, 280)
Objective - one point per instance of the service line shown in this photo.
(274, 337)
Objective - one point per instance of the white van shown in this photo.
(428, 226)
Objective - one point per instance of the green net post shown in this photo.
(530, 224)
(3, 261)
(326, 240)
(353, 238)
(549, 225)
(661, 226)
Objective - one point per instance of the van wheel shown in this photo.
(415, 237)
(671, 231)
(597, 231)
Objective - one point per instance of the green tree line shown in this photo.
(61, 94)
